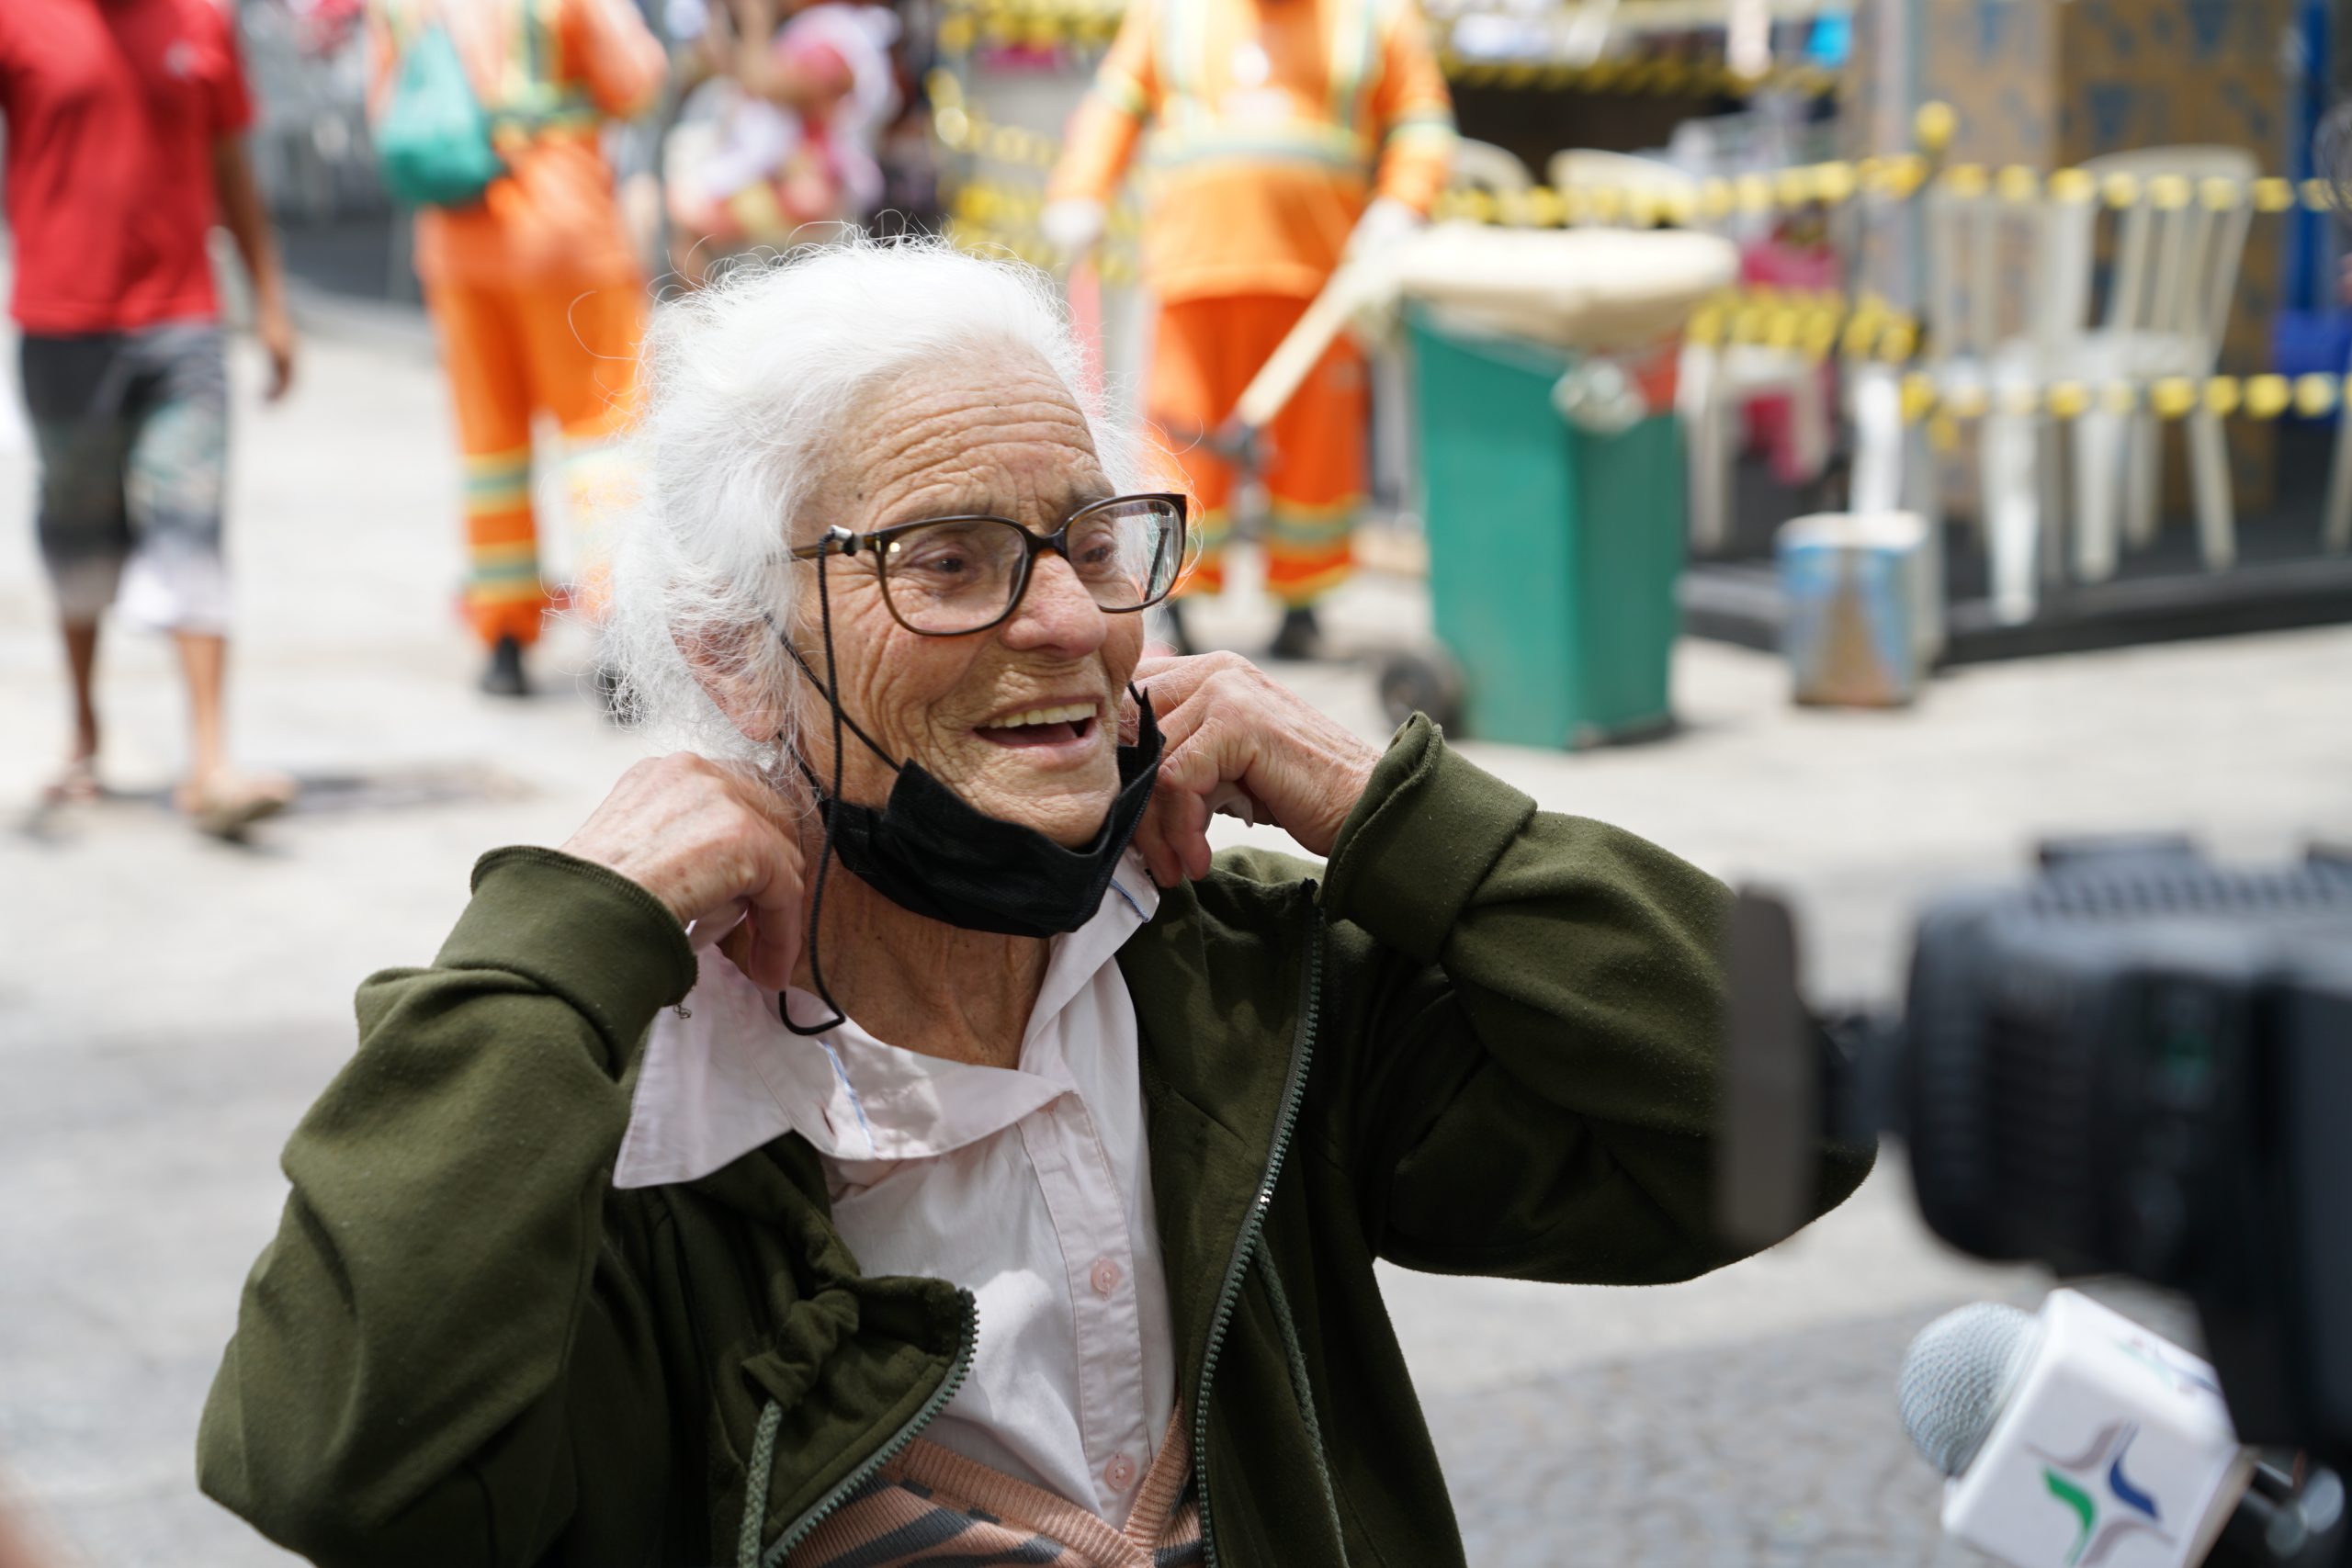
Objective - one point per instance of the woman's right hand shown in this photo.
(718, 846)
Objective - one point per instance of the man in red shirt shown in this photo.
(125, 141)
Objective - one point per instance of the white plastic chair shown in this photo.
(2175, 265)
(1482, 165)
(2337, 536)
(1712, 384)
(1984, 346)
(1587, 169)
(2175, 272)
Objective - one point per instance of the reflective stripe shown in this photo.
(1300, 141)
(1184, 58)
(489, 503)
(500, 482)
(492, 465)
(1294, 526)
(1436, 120)
(1355, 57)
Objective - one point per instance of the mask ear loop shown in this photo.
(825, 854)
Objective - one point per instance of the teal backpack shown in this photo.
(433, 144)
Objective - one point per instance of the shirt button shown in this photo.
(1120, 1473)
(1103, 1276)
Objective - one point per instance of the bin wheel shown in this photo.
(1422, 680)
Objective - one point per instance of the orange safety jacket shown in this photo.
(1272, 124)
(549, 73)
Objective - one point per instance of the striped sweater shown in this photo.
(934, 1507)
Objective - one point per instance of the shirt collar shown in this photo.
(721, 1075)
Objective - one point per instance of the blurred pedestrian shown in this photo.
(1286, 136)
(125, 143)
(784, 135)
(534, 285)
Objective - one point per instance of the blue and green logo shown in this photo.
(2074, 1479)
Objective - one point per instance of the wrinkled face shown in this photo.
(1021, 719)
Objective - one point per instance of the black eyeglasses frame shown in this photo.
(840, 541)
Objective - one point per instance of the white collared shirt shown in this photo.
(1029, 1186)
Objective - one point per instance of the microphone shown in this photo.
(2073, 1437)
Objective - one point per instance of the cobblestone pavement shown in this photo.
(168, 1007)
(1779, 1450)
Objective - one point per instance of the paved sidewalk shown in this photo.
(168, 1006)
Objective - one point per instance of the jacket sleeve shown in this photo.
(440, 1358)
(1110, 118)
(1413, 112)
(1534, 1091)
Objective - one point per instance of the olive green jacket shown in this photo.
(1486, 1045)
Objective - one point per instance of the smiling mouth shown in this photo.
(1059, 724)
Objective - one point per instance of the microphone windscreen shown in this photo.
(1958, 1374)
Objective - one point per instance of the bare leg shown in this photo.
(77, 781)
(82, 663)
(204, 660)
(222, 803)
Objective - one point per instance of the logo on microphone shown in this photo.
(2151, 1355)
(2071, 1478)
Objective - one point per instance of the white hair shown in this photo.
(746, 386)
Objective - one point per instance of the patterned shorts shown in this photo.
(132, 430)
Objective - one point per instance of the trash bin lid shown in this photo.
(1592, 289)
(1854, 531)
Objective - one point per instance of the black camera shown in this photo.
(2138, 1063)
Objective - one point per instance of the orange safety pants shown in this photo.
(1206, 353)
(513, 351)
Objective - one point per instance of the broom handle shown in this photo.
(1298, 354)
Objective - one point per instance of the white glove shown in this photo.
(1384, 222)
(1072, 227)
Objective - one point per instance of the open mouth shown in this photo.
(1058, 724)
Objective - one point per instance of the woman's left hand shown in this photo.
(1230, 726)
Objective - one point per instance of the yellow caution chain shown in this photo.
(1885, 179)
(1654, 77)
(983, 215)
(1092, 23)
(1819, 324)
(1036, 23)
(1900, 178)
(2260, 398)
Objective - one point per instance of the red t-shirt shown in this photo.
(112, 108)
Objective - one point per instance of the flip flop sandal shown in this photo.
(227, 816)
(76, 785)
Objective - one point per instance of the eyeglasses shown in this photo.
(951, 576)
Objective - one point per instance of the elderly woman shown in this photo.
(885, 1133)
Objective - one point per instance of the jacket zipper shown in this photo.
(956, 1370)
(1253, 1224)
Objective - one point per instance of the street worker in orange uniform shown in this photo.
(536, 289)
(1285, 136)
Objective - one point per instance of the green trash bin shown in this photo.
(1552, 550)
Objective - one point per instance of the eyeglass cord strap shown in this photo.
(825, 853)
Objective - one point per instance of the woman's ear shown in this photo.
(728, 667)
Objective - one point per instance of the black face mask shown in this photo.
(931, 852)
